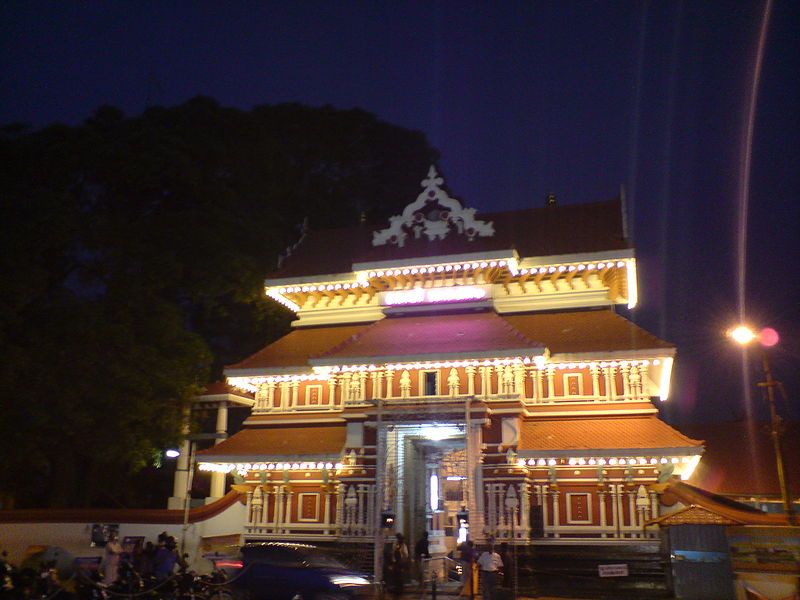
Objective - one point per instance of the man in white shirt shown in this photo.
(489, 563)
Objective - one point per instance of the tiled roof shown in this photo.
(440, 335)
(739, 459)
(689, 495)
(585, 331)
(599, 435)
(295, 348)
(483, 332)
(545, 231)
(695, 515)
(218, 388)
(279, 443)
(119, 515)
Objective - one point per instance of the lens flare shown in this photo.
(768, 337)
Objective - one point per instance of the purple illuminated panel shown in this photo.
(434, 295)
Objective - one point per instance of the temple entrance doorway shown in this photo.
(426, 481)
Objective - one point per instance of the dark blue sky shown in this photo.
(521, 98)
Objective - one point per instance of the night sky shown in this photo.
(521, 98)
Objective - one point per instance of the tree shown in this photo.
(135, 249)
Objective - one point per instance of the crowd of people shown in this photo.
(479, 570)
(150, 561)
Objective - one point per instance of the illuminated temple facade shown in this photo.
(449, 366)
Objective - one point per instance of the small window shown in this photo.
(430, 383)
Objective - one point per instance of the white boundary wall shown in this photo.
(75, 538)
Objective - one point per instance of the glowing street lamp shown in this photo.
(767, 337)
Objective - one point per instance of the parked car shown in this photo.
(276, 571)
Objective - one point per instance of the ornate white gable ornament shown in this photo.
(435, 214)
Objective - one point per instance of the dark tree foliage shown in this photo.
(133, 253)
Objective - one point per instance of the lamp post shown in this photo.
(743, 336)
(187, 499)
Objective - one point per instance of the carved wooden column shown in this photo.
(556, 513)
(601, 502)
(594, 370)
(551, 386)
(332, 391)
(544, 495)
(626, 384)
(389, 378)
(519, 381)
(470, 380)
(284, 399)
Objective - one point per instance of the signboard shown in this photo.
(101, 533)
(620, 570)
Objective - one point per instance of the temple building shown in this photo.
(462, 373)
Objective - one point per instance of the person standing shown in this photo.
(490, 563)
(111, 558)
(468, 572)
(399, 559)
(421, 552)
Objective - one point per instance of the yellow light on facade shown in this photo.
(633, 286)
(666, 376)
(690, 467)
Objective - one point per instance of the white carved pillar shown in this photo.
(288, 514)
(551, 386)
(636, 382)
(295, 393)
(278, 508)
(344, 386)
(332, 391)
(601, 501)
(556, 514)
(626, 384)
(525, 510)
(376, 384)
(361, 510)
(256, 504)
(519, 381)
(389, 378)
(470, 372)
(217, 477)
(486, 381)
(362, 386)
(340, 508)
(284, 399)
(543, 502)
(326, 511)
(594, 370)
(611, 383)
(632, 511)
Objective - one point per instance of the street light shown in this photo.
(743, 336)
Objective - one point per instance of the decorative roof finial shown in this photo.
(433, 213)
(551, 199)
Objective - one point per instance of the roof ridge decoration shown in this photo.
(434, 213)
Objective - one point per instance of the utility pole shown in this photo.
(776, 433)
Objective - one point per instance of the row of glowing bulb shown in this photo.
(325, 287)
(246, 467)
(438, 269)
(492, 264)
(323, 374)
(332, 287)
(541, 462)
